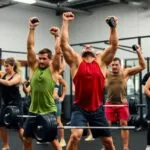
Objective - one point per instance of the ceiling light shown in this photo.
(136, 3)
(26, 1)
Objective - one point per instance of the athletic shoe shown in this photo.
(42, 142)
(89, 138)
(147, 147)
(62, 143)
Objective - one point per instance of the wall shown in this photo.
(14, 28)
(133, 21)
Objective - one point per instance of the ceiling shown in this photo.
(79, 6)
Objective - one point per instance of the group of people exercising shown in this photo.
(90, 75)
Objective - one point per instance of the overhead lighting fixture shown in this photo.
(26, 1)
(136, 3)
(115, 1)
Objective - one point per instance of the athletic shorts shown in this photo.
(148, 107)
(81, 117)
(59, 107)
(2, 115)
(117, 113)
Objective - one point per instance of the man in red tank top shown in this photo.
(88, 73)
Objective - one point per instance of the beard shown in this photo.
(88, 53)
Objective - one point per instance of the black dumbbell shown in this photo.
(111, 22)
(134, 47)
(34, 20)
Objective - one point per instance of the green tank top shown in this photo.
(42, 87)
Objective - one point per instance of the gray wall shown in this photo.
(133, 21)
(14, 28)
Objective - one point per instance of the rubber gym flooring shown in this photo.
(137, 141)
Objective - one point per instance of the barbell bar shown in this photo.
(122, 105)
(26, 116)
(97, 127)
(46, 128)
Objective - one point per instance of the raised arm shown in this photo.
(138, 68)
(71, 57)
(55, 31)
(147, 87)
(31, 55)
(109, 53)
(64, 87)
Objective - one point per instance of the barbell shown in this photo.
(45, 126)
(12, 114)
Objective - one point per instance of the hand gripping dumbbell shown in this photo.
(111, 22)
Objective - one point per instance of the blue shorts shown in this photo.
(81, 117)
(59, 107)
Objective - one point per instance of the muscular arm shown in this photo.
(71, 57)
(31, 55)
(55, 31)
(64, 89)
(26, 87)
(26, 90)
(147, 88)
(14, 81)
(110, 51)
(138, 68)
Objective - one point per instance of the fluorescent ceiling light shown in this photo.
(26, 1)
(115, 1)
(136, 3)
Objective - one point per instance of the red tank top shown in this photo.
(89, 86)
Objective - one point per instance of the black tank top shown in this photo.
(10, 94)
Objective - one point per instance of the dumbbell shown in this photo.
(34, 20)
(111, 22)
(134, 47)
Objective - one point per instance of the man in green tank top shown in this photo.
(116, 84)
(43, 78)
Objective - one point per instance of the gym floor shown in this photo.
(137, 141)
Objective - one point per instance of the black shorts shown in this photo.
(2, 115)
(148, 107)
(30, 124)
(26, 104)
(81, 117)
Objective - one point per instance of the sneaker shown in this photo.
(42, 142)
(89, 138)
(62, 143)
(147, 147)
